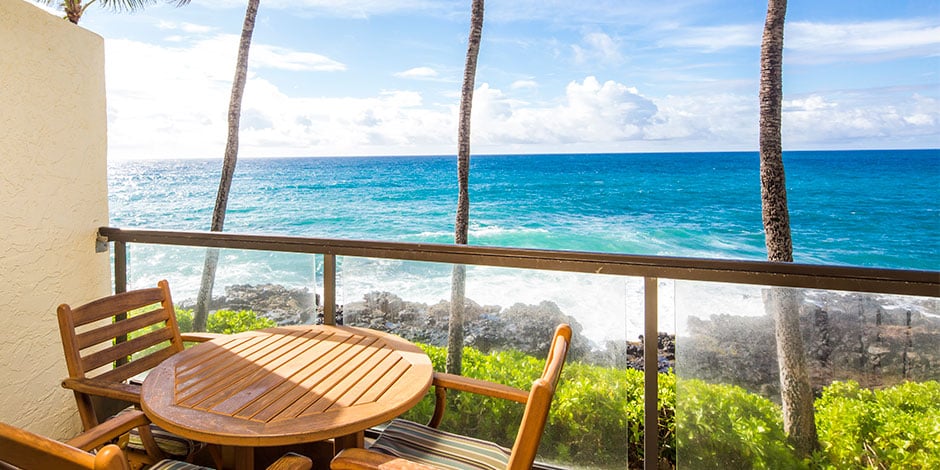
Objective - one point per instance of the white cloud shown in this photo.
(196, 28)
(856, 120)
(262, 55)
(418, 73)
(190, 28)
(705, 122)
(822, 43)
(524, 84)
(349, 8)
(597, 46)
(713, 38)
(171, 101)
(590, 112)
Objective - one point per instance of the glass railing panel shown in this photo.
(276, 288)
(864, 352)
(509, 321)
(598, 409)
(872, 363)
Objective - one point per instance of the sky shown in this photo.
(383, 77)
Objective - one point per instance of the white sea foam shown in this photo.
(609, 308)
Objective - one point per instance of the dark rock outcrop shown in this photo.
(874, 340)
(286, 306)
(527, 328)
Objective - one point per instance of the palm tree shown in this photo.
(462, 220)
(228, 166)
(795, 390)
(75, 8)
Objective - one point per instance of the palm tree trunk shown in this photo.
(228, 166)
(462, 221)
(782, 303)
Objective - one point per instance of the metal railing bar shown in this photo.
(651, 374)
(120, 267)
(329, 289)
(874, 280)
(120, 285)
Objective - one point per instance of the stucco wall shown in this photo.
(53, 196)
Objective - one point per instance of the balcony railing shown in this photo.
(687, 274)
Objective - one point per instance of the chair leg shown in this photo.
(150, 445)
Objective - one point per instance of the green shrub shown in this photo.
(898, 427)
(596, 418)
(225, 321)
(724, 426)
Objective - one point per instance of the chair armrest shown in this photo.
(291, 461)
(120, 391)
(443, 381)
(361, 459)
(109, 430)
(482, 387)
(199, 337)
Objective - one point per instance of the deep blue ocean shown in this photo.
(878, 208)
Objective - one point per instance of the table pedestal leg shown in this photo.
(350, 440)
(244, 458)
(215, 451)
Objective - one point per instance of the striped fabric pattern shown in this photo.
(168, 464)
(171, 444)
(430, 446)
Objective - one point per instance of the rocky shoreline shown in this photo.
(877, 341)
(523, 327)
(874, 340)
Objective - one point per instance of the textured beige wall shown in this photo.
(53, 196)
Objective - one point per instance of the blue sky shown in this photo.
(382, 77)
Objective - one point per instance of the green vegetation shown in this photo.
(225, 321)
(222, 321)
(724, 426)
(596, 419)
(897, 427)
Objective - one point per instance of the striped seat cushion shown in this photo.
(430, 446)
(168, 464)
(171, 444)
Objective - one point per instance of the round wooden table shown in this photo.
(286, 385)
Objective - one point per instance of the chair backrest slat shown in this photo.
(112, 305)
(132, 368)
(125, 349)
(134, 344)
(113, 330)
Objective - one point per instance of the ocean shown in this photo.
(875, 208)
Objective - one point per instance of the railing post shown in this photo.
(120, 285)
(120, 267)
(651, 374)
(329, 289)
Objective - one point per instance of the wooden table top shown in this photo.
(286, 385)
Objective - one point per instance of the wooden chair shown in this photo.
(21, 449)
(102, 356)
(407, 445)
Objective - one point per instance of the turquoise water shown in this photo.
(864, 208)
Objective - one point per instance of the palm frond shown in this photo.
(134, 5)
